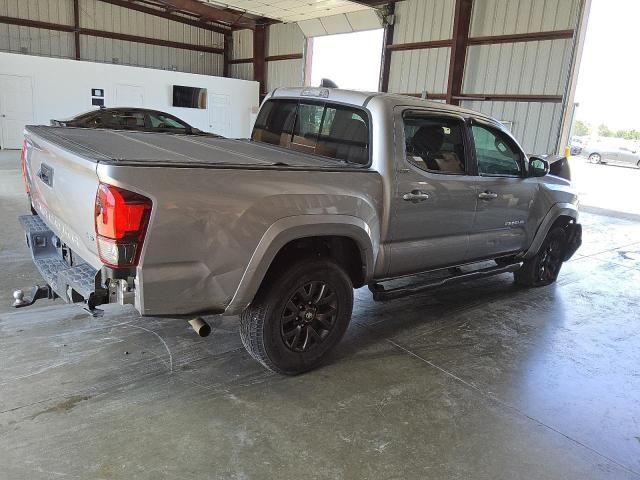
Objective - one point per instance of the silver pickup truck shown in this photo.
(334, 191)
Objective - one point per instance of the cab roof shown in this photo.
(362, 99)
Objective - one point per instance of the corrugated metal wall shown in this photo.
(415, 71)
(103, 16)
(527, 68)
(36, 41)
(283, 39)
(242, 48)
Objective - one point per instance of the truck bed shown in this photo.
(131, 148)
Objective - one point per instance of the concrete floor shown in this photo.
(486, 382)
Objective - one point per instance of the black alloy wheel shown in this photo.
(308, 316)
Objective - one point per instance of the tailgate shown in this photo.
(63, 189)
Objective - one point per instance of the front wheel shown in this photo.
(299, 315)
(543, 268)
(595, 158)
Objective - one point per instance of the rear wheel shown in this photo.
(299, 315)
(595, 158)
(543, 268)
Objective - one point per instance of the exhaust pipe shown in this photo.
(199, 326)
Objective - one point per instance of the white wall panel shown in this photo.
(413, 71)
(62, 88)
(535, 125)
(284, 73)
(423, 20)
(502, 17)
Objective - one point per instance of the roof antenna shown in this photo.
(326, 83)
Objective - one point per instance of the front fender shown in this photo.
(291, 228)
(556, 211)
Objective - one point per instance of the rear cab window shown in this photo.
(329, 130)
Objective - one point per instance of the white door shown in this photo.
(16, 109)
(129, 96)
(219, 118)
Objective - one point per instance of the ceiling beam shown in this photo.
(167, 13)
(208, 12)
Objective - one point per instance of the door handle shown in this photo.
(487, 196)
(415, 196)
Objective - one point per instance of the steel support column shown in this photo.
(461, 24)
(386, 43)
(76, 26)
(259, 55)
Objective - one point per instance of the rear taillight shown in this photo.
(23, 166)
(121, 223)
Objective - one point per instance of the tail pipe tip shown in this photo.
(199, 326)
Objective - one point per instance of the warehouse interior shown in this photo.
(483, 380)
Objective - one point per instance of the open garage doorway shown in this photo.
(605, 134)
(351, 60)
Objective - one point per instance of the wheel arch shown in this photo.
(560, 213)
(340, 234)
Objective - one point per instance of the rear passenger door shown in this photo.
(434, 200)
(506, 197)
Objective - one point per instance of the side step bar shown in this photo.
(380, 294)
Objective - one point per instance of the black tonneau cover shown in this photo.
(121, 147)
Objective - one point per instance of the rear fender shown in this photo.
(292, 228)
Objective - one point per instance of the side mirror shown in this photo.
(538, 167)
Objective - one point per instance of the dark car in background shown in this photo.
(141, 119)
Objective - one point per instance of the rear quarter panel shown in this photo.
(207, 222)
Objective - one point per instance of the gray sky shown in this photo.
(610, 71)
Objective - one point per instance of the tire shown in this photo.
(299, 315)
(638, 164)
(595, 158)
(543, 268)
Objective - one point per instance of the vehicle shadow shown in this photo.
(420, 315)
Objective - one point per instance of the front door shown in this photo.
(503, 222)
(433, 205)
(16, 109)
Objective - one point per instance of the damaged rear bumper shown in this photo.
(72, 283)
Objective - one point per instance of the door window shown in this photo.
(435, 144)
(160, 121)
(495, 152)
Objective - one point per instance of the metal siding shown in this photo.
(535, 125)
(103, 16)
(518, 68)
(502, 17)
(284, 73)
(423, 20)
(243, 71)
(283, 39)
(37, 41)
(242, 44)
(106, 50)
(413, 71)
